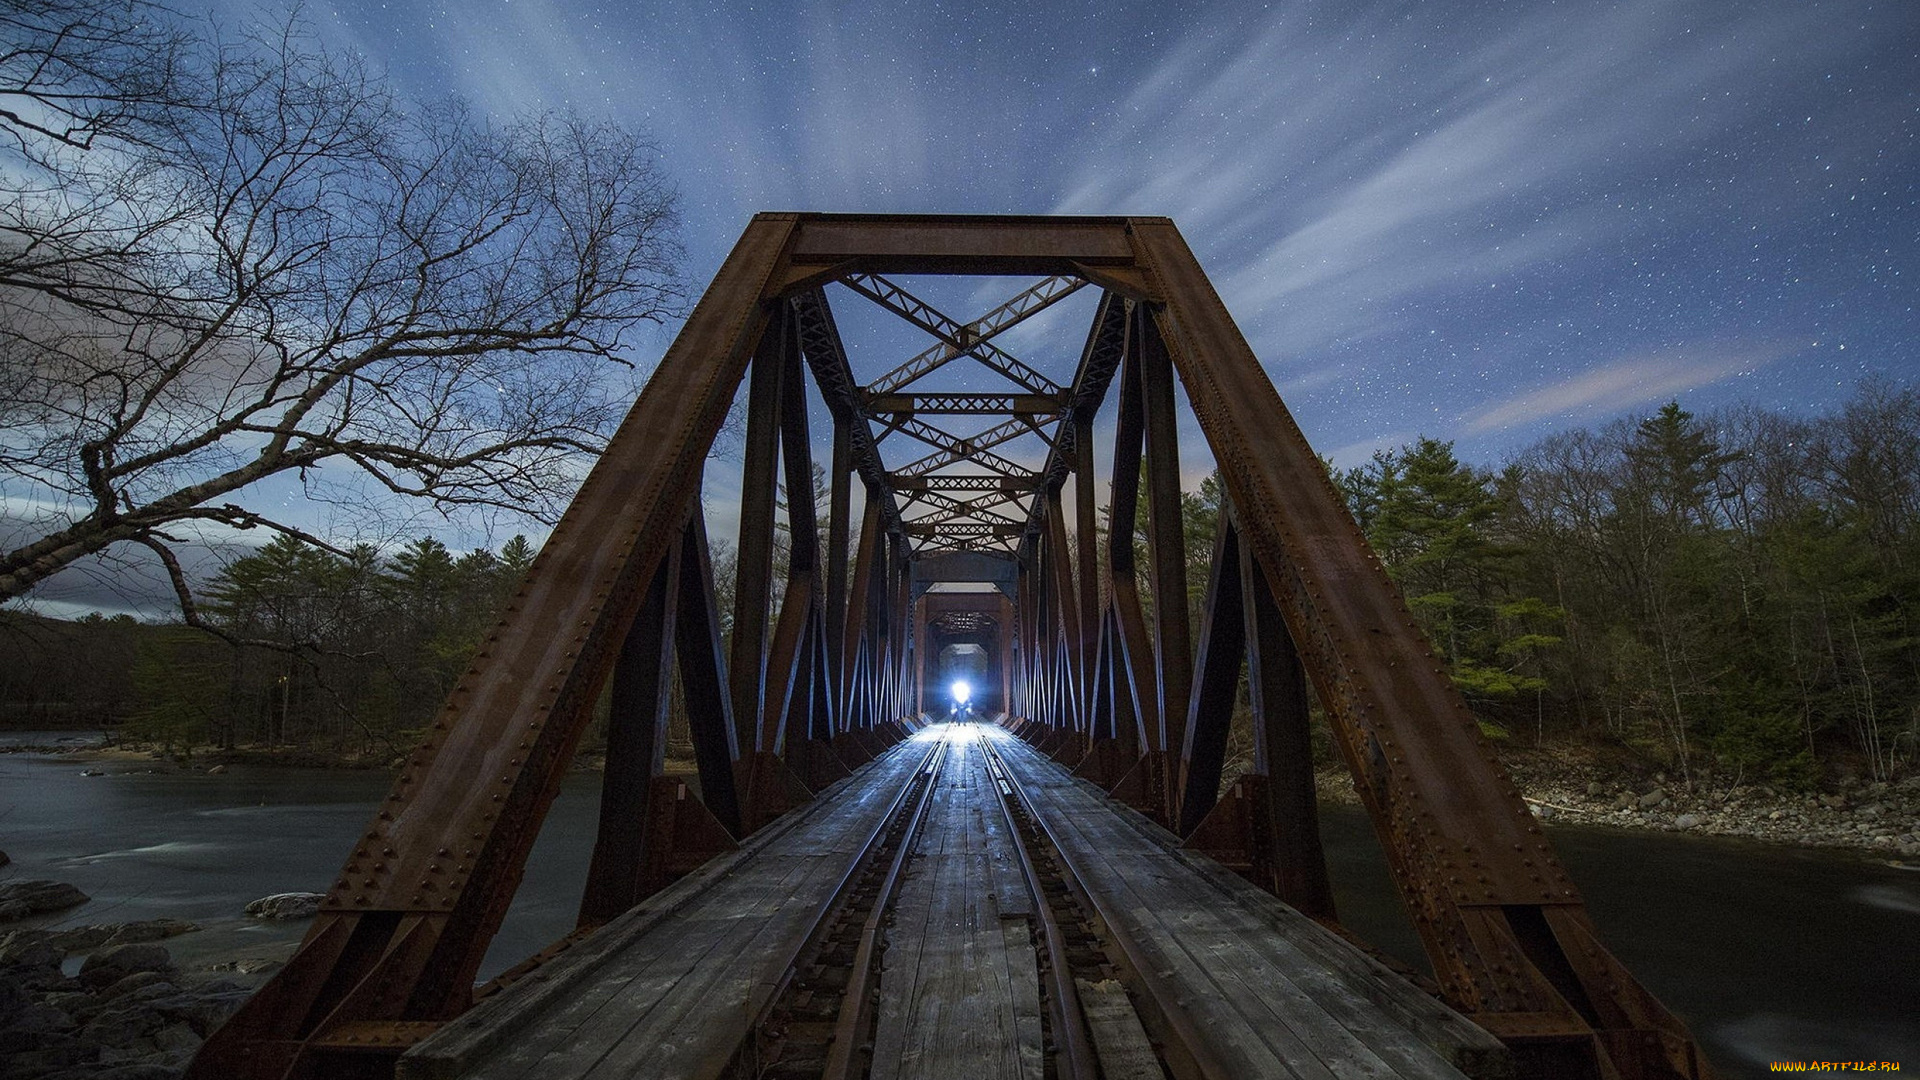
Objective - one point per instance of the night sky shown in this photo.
(1483, 222)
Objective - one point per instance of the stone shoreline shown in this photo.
(127, 1013)
(1877, 819)
(1574, 784)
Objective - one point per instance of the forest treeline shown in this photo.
(1733, 593)
(313, 650)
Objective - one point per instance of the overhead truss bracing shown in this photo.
(831, 649)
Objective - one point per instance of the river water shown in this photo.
(1770, 953)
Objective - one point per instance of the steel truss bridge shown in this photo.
(979, 534)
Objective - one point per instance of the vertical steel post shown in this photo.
(1086, 531)
(1283, 748)
(636, 746)
(754, 555)
(1166, 534)
(703, 678)
(1210, 710)
(839, 512)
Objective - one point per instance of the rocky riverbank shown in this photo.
(131, 756)
(1579, 786)
(124, 1012)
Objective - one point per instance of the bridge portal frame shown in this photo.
(623, 591)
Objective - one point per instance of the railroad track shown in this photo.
(821, 1024)
(818, 1025)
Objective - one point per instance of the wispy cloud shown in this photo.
(1357, 453)
(1630, 381)
(1381, 177)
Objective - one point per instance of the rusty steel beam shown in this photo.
(966, 404)
(953, 449)
(839, 512)
(425, 885)
(1166, 537)
(1010, 484)
(1223, 648)
(1502, 922)
(959, 530)
(827, 357)
(938, 244)
(703, 678)
(957, 340)
(636, 749)
(1283, 749)
(753, 560)
(982, 506)
(963, 339)
(1099, 361)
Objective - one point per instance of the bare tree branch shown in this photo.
(293, 269)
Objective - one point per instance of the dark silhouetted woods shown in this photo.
(1736, 592)
(1733, 594)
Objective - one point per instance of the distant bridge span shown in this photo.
(979, 548)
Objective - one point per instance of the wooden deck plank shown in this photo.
(948, 1004)
(670, 988)
(1321, 1005)
(1119, 1041)
(717, 935)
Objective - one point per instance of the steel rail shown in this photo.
(1077, 1059)
(825, 916)
(840, 1064)
(1184, 1044)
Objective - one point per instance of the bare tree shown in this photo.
(74, 72)
(287, 268)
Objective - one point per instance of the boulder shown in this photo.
(249, 965)
(134, 933)
(30, 949)
(20, 899)
(137, 1071)
(54, 1052)
(75, 1003)
(286, 905)
(110, 965)
(205, 1007)
(37, 1018)
(1653, 798)
(1688, 821)
(134, 982)
(87, 938)
(13, 997)
(120, 1027)
(177, 1036)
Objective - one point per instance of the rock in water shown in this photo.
(286, 905)
(20, 899)
(110, 965)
